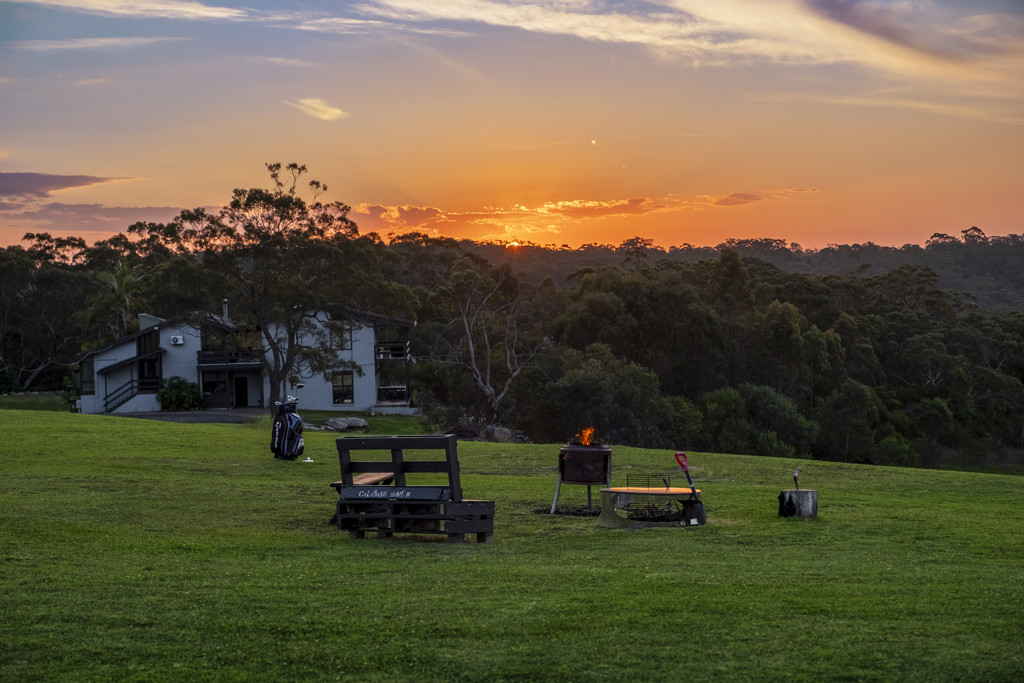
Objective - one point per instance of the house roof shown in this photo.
(128, 361)
(120, 341)
(373, 318)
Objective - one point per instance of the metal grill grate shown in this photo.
(648, 481)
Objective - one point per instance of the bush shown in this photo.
(772, 412)
(769, 444)
(895, 450)
(177, 393)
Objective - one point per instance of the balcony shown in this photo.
(393, 395)
(391, 351)
(248, 359)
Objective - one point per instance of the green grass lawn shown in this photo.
(37, 400)
(142, 550)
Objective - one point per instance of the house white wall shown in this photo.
(318, 392)
(176, 359)
(178, 348)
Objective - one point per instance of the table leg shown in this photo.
(558, 490)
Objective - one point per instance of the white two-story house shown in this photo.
(124, 377)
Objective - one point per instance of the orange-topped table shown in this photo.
(651, 506)
(654, 491)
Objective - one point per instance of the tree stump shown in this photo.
(798, 503)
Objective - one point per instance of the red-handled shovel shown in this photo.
(685, 464)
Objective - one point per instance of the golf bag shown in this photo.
(286, 440)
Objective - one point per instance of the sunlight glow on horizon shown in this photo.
(683, 122)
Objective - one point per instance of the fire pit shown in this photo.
(583, 463)
(652, 501)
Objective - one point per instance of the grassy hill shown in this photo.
(137, 550)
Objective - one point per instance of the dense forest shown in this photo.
(911, 356)
(988, 269)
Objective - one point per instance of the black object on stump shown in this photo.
(798, 502)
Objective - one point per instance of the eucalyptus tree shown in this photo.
(486, 326)
(848, 420)
(282, 262)
(43, 290)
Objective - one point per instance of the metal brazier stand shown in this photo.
(583, 464)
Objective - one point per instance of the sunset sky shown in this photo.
(558, 122)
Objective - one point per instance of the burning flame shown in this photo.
(585, 436)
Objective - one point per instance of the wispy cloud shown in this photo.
(919, 28)
(738, 198)
(42, 185)
(744, 198)
(946, 58)
(580, 19)
(595, 209)
(982, 105)
(904, 37)
(1006, 115)
(901, 38)
(318, 109)
(461, 69)
(281, 61)
(83, 218)
(549, 218)
(161, 9)
(354, 26)
(23, 206)
(911, 37)
(87, 43)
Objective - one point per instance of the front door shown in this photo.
(241, 392)
(215, 389)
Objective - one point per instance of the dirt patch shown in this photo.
(570, 511)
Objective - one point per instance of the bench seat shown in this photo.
(378, 496)
(368, 479)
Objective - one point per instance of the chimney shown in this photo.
(146, 321)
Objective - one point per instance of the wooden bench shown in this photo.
(368, 479)
(375, 495)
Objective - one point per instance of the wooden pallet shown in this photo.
(404, 507)
(447, 518)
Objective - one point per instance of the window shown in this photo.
(148, 342)
(340, 335)
(86, 377)
(215, 383)
(343, 386)
(149, 375)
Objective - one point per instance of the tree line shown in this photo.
(706, 349)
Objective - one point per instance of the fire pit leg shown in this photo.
(558, 491)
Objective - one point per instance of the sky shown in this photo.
(561, 122)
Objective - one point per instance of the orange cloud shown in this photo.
(318, 109)
(737, 198)
(550, 219)
(42, 185)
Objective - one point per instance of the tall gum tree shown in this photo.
(282, 262)
(489, 333)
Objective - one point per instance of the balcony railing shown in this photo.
(247, 356)
(393, 394)
(391, 351)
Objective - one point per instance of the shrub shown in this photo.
(177, 393)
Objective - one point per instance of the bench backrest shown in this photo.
(397, 445)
